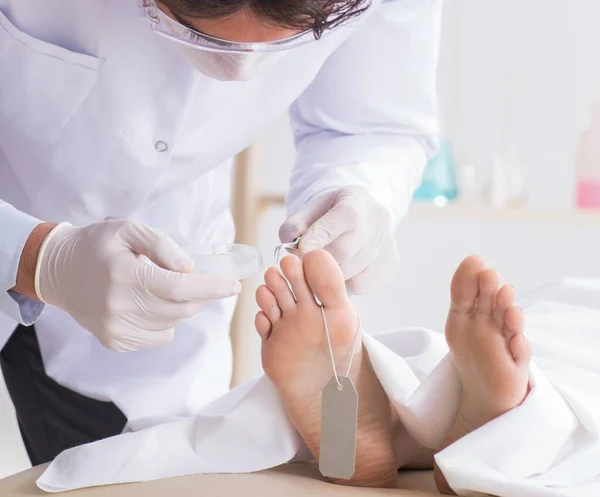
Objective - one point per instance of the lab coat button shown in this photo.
(161, 146)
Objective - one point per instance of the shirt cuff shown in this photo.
(390, 168)
(29, 309)
(15, 227)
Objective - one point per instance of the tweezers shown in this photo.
(293, 245)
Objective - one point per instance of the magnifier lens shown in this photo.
(229, 259)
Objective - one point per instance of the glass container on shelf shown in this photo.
(439, 179)
(469, 185)
(507, 185)
(588, 164)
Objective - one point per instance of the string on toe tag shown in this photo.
(335, 374)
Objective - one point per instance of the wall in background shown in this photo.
(523, 81)
(516, 79)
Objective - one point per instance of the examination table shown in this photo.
(292, 480)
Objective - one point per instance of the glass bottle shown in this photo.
(588, 164)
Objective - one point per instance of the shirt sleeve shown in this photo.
(15, 227)
(369, 118)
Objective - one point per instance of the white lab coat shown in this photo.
(102, 118)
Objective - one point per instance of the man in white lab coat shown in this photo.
(118, 125)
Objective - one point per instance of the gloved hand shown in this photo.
(357, 230)
(96, 274)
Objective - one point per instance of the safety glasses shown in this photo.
(168, 27)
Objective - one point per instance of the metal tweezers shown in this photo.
(293, 245)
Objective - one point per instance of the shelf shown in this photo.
(459, 211)
(469, 212)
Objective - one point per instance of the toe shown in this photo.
(268, 304)
(263, 325)
(279, 288)
(465, 284)
(520, 349)
(513, 321)
(489, 282)
(325, 278)
(505, 299)
(294, 273)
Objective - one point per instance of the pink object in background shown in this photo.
(588, 164)
(588, 194)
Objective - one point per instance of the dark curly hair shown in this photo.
(306, 15)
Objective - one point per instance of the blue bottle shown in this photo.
(439, 179)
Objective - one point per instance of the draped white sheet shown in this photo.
(548, 446)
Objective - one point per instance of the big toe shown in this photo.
(325, 278)
(464, 290)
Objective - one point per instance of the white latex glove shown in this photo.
(355, 228)
(98, 276)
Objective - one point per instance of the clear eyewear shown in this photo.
(170, 28)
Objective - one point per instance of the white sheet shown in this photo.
(548, 446)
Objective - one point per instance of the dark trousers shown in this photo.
(51, 418)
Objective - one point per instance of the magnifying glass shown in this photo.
(229, 259)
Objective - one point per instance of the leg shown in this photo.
(296, 358)
(484, 332)
(51, 417)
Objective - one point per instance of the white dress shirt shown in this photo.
(102, 118)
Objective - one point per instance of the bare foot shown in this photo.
(484, 332)
(296, 358)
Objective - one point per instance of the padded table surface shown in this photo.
(292, 480)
